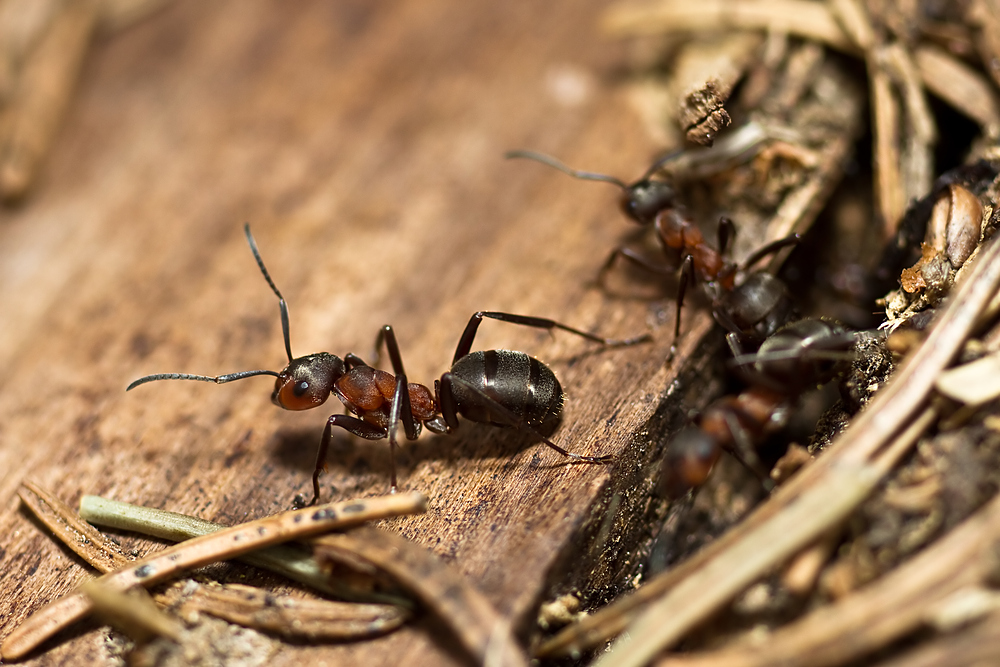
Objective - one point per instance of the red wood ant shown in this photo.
(754, 308)
(500, 387)
(805, 353)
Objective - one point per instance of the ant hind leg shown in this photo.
(469, 335)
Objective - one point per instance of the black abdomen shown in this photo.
(522, 384)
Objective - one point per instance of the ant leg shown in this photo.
(469, 335)
(770, 248)
(388, 336)
(726, 321)
(735, 345)
(634, 257)
(352, 425)
(400, 409)
(744, 452)
(725, 233)
(447, 402)
(687, 273)
(449, 411)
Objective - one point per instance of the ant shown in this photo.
(499, 387)
(805, 353)
(753, 309)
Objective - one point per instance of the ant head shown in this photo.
(307, 381)
(642, 200)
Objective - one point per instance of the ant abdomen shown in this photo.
(803, 354)
(688, 461)
(757, 307)
(516, 381)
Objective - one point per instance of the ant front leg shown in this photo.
(469, 335)
(725, 233)
(352, 425)
(687, 274)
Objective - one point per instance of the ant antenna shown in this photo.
(656, 166)
(281, 300)
(219, 379)
(575, 173)
(590, 175)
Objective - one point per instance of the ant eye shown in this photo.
(302, 394)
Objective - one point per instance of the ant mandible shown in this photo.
(753, 309)
(802, 354)
(500, 387)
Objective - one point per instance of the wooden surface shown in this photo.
(363, 143)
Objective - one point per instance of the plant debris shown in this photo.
(221, 545)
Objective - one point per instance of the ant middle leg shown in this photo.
(469, 335)
(387, 336)
(725, 233)
(400, 407)
(635, 258)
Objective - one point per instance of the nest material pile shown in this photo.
(880, 550)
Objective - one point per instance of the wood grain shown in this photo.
(363, 143)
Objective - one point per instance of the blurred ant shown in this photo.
(805, 353)
(499, 387)
(753, 309)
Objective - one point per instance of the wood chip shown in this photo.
(705, 73)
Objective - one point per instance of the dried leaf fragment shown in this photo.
(974, 383)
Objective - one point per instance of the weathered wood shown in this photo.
(363, 143)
